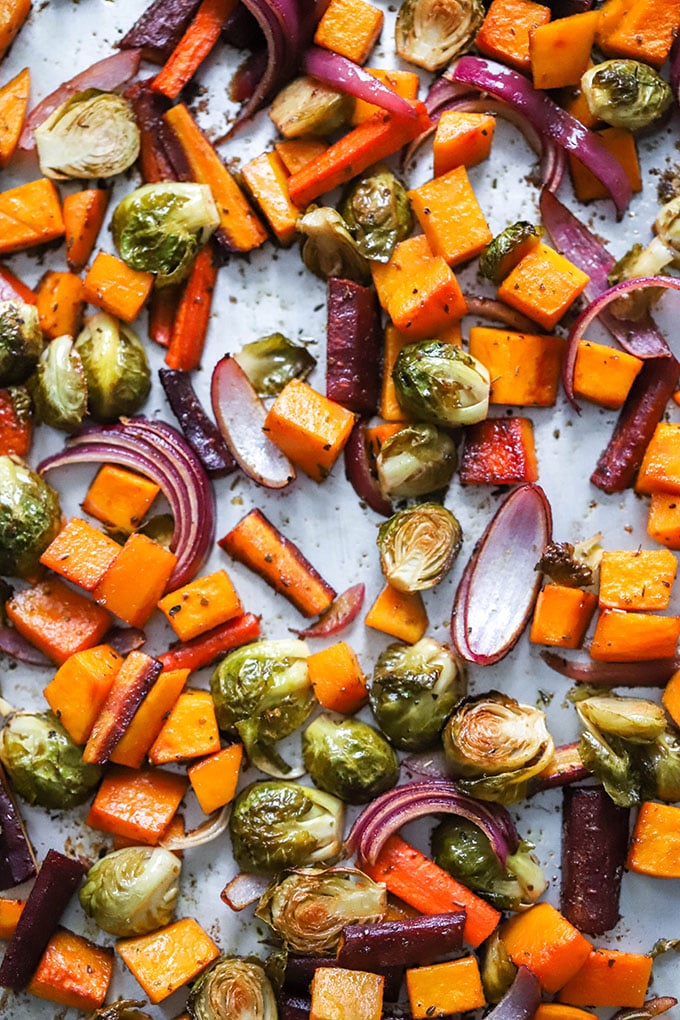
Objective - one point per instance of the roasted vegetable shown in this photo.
(132, 891)
(329, 248)
(413, 691)
(626, 93)
(439, 383)
(494, 745)
(21, 341)
(378, 214)
(59, 386)
(306, 106)
(349, 759)
(502, 254)
(430, 33)
(651, 260)
(233, 988)
(276, 825)
(418, 546)
(573, 566)
(415, 461)
(115, 365)
(30, 517)
(122, 1009)
(309, 907)
(92, 134)
(273, 361)
(160, 227)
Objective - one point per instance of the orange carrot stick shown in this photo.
(193, 312)
(204, 649)
(194, 46)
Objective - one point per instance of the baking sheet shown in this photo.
(270, 290)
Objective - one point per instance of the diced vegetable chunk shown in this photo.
(562, 616)
(201, 605)
(166, 959)
(543, 285)
(628, 637)
(138, 804)
(119, 498)
(604, 374)
(309, 428)
(338, 679)
(524, 367)
(339, 994)
(80, 553)
(112, 286)
(637, 578)
(214, 779)
(655, 844)
(190, 730)
(461, 139)
(541, 939)
(350, 28)
(507, 28)
(136, 579)
(609, 978)
(73, 971)
(499, 451)
(399, 613)
(560, 50)
(445, 988)
(149, 718)
(56, 619)
(456, 238)
(78, 690)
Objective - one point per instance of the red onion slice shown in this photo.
(359, 475)
(521, 1000)
(244, 889)
(500, 582)
(345, 75)
(653, 673)
(343, 611)
(240, 415)
(13, 644)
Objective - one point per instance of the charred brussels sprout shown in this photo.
(328, 248)
(262, 693)
(44, 765)
(498, 971)
(122, 1009)
(116, 367)
(160, 227)
(461, 848)
(92, 134)
(349, 759)
(378, 214)
(307, 106)
(413, 691)
(573, 566)
(30, 517)
(660, 768)
(430, 33)
(277, 825)
(309, 907)
(21, 341)
(439, 383)
(415, 461)
(506, 249)
(494, 745)
(273, 361)
(418, 546)
(233, 988)
(59, 387)
(132, 891)
(626, 93)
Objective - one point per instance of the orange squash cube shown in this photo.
(461, 139)
(507, 28)
(609, 978)
(399, 613)
(111, 285)
(80, 553)
(562, 616)
(298, 152)
(338, 679)
(404, 83)
(266, 178)
(560, 1011)
(309, 428)
(645, 31)
(655, 845)
(168, 958)
(499, 451)
(637, 578)
(560, 50)
(201, 605)
(138, 804)
(339, 994)
(603, 374)
(78, 690)
(350, 28)
(445, 988)
(30, 214)
(456, 238)
(214, 779)
(542, 939)
(39, 614)
(670, 699)
(73, 972)
(10, 912)
(190, 730)
(621, 144)
(622, 636)
(524, 367)
(136, 579)
(543, 285)
(663, 522)
(660, 468)
(119, 498)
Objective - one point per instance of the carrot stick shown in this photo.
(14, 289)
(162, 311)
(84, 213)
(421, 883)
(193, 312)
(194, 46)
(204, 649)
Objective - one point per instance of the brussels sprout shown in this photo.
(309, 907)
(132, 891)
(262, 693)
(378, 214)
(273, 361)
(415, 461)
(123, 1009)
(233, 988)
(497, 971)
(92, 134)
(461, 848)
(59, 386)
(116, 367)
(307, 106)
(277, 825)
(651, 260)
(660, 768)
(30, 517)
(572, 566)
(418, 546)
(160, 227)
(413, 691)
(439, 383)
(667, 228)
(21, 341)
(506, 249)
(634, 719)
(494, 745)
(349, 759)
(430, 33)
(44, 765)
(329, 249)
(626, 93)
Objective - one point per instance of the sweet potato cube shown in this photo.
(609, 978)
(136, 580)
(214, 779)
(266, 178)
(456, 238)
(79, 688)
(542, 939)
(637, 578)
(309, 428)
(137, 803)
(111, 285)
(445, 988)
(13, 102)
(201, 605)
(119, 498)
(670, 698)
(131, 683)
(399, 613)
(404, 83)
(655, 845)
(56, 619)
(622, 636)
(166, 959)
(660, 468)
(338, 679)
(507, 28)
(30, 214)
(80, 553)
(603, 374)
(461, 139)
(149, 718)
(524, 367)
(562, 616)
(543, 285)
(499, 451)
(339, 994)
(73, 972)
(350, 28)
(621, 144)
(663, 522)
(560, 50)
(190, 730)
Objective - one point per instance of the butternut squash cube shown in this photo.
(119, 498)
(562, 616)
(350, 28)
(560, 50)
(404, 83)
(603, 374)
(645, 31)
(78, 690)
(637, 578)
(339, 994)
(136, 579)
(542, 939)
(663, 522)
(461, 139)
(149, 718)
(190, 730)
(399, 613)
(621, 144)
(507, 28)
(168, 958)
(80, 553)
(670, 699)
(201, 605)
(309, 428)
(338, 679)
(73, 972)
(609, 977)
(524, 367)
(445, 988)
(111, 285)
(622, 636)
(266, 178)
(543, 285)
(660, 468)
(655, 845)
(457, 238)
(499, 451)
(214, 779)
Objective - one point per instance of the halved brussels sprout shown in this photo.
(92, 134)
(132, 891)
(262, 693)
(430, 33)
(309, 907)
(660, 768)
(44, 765)
(329, 249)
(59, 386)
(498, 970)
(506, 249)
(116, 367)
(418, 546)
(349, 759)
(273, 361)
(377, 212)
(439, 383)
(637, 720)
(416, 461)
(651, 260)
(626, 93)
(307, 106)
(160, 227)
(494, 745)
(21, 341)
(233, 988)
(414, 690)
(30, 517)
(276, 825)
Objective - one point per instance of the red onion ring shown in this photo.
(652, 673)
(521, 1000)
(359, 475)
(500, 584)
(13, 644)
(342, 611)
(344, 74)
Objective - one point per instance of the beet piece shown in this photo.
(17, 860)
(201, 433)
(413, 941)
(565, 8)
(594, 847)
(354, 346)
(154, 162)
(300, 971)
(158, 30)
(57, 880)
(293, 1007)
